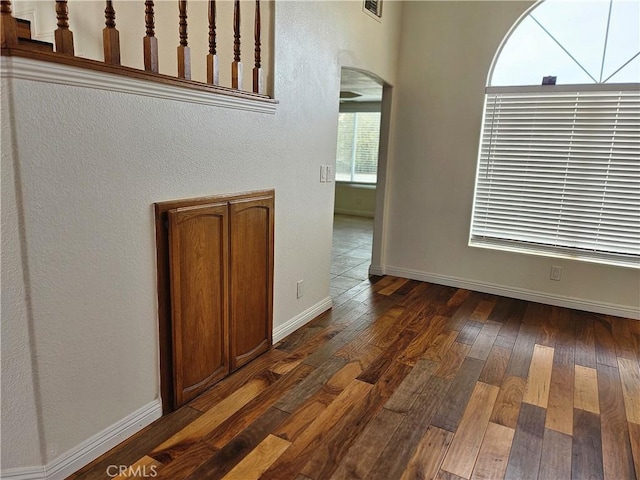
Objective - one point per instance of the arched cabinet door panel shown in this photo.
(251, 278)
(199, 269)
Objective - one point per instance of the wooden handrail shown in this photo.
(236, 65)
(213, 71)
(257, 70)
(150, 42)
(184, 52)
(8, 28)
(63, 36)
(111, 36)
(20, 44)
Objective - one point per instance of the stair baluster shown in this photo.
(258, 86)
(63, 36)
(236, 65)
(150, 42)
(184, 52)
(8, 28)
(213, 71)
(111, 36)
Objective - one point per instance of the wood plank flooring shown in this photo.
(409, 380)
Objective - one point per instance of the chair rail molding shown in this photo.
(41, 71)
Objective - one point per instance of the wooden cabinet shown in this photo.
(251, 299)
(215, 289)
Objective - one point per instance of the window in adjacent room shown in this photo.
(559, 165)
(357, 155)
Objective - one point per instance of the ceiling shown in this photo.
(357, 86)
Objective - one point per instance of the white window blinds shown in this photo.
(559, 171)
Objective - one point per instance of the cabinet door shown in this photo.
(251, 299)
(199, 260)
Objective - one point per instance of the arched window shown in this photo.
(559, 161)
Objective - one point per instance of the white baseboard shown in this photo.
(519, 293)
(301, 319)
(23, 473)
(376, 270)
(90, 449)
(355, 213)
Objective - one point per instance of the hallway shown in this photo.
(351, 254)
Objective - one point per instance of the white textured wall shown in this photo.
(446, 52)
(93, 162)
(20, 431)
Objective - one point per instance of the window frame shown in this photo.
(520, 246)
(355, 108)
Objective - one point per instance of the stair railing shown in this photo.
(14, 43)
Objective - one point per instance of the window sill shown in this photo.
(368, 186)
(551, 252)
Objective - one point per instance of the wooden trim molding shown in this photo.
(66, 70)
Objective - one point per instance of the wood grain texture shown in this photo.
(484, 341)
(393, 461)
(522, 351)
(210, 420)
(452, 361)
(469, 332)
(303, 447)
(450, 412)
(630, 377)
(429, 454)
(464, 449)
(556, 456)
(259, 459)
(364, 453)
(634, 435)
(494, 453)
(560, 404)
(507, 406)
(340, 400)
(526, 449)
(495, 366)
(406, 393)
(190, 460)
(237, 422)
(585, 393)
(539, 379)
(251, 234)
(192, 244)
(617, 457)
(483, 310)
(585, 341)
(586, 452)
(223, 461)
(199, 256)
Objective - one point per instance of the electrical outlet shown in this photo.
(300, 288)
(323, 173)
(556, 273)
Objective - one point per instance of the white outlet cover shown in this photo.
(323, 173)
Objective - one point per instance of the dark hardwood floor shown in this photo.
(404, 380)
